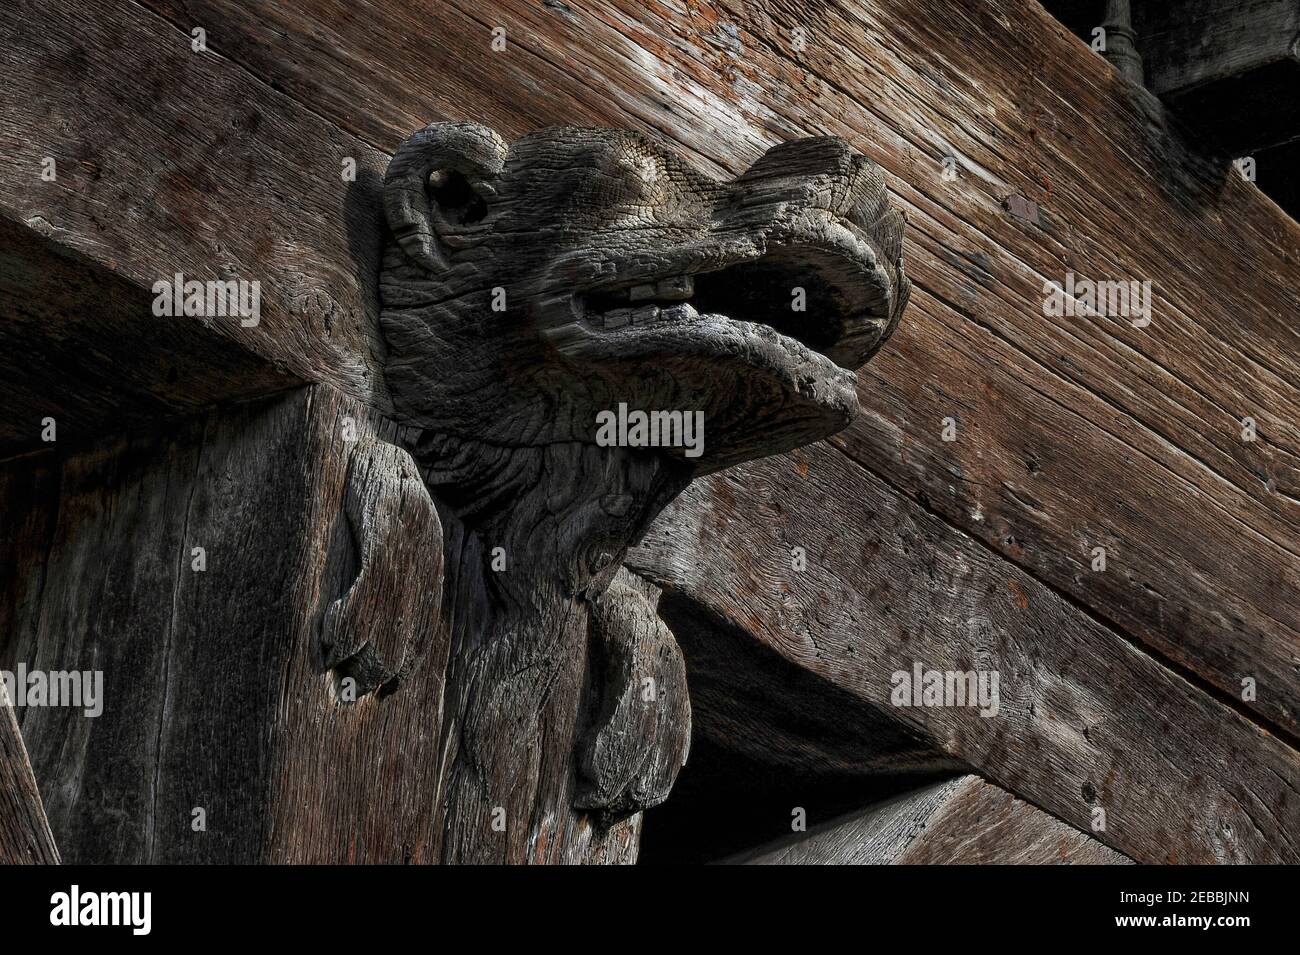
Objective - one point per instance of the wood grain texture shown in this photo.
(1086, 721)
(25, 836)
(749, 699)
(217, 692)
(80, 345)
(964, 821)
(1072, 433)
(1054, 414)
(172, 161)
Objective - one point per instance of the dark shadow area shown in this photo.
(366, 231)
(1252, 114)
(724, 803)
(769, 736)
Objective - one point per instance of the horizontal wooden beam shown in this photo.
(126, 158)
(963, 821)
(81, 353)
(1231, 68)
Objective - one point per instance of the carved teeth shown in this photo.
(568, 335)
(639, 293)
(679, 313)
(675, 289)
(618, 317)
(647, 313)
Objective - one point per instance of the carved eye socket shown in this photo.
(456, 198)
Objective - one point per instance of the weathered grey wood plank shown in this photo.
(964, 821)
(1085, 721)
(25, 835)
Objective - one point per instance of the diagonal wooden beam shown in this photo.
(25, 835)
(962, 821)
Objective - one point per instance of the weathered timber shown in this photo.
(1230, 68)
(1056, 415)
(25, 835)
(530, 290)
(168, 161)
(749, 699)
(228, 674)
(79, 344)
(1085, 721)
(964, 821)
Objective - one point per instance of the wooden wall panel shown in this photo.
(216, 695)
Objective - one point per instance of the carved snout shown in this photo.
(821, 172)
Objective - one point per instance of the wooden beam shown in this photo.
(1231, 69)
(1085, 721)
(963, 821)
(25, 836)
(146, 160)
(225, 668)
(80, 349)
(749, 699)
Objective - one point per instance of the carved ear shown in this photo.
(463, 155)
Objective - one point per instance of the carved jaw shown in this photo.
(762, 330)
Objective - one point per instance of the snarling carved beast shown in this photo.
(526, 289)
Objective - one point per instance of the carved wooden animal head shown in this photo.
(530, 286)
(526, 290)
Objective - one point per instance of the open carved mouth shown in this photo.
(763, 336)
(831, 298)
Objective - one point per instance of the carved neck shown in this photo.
(562, 515)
